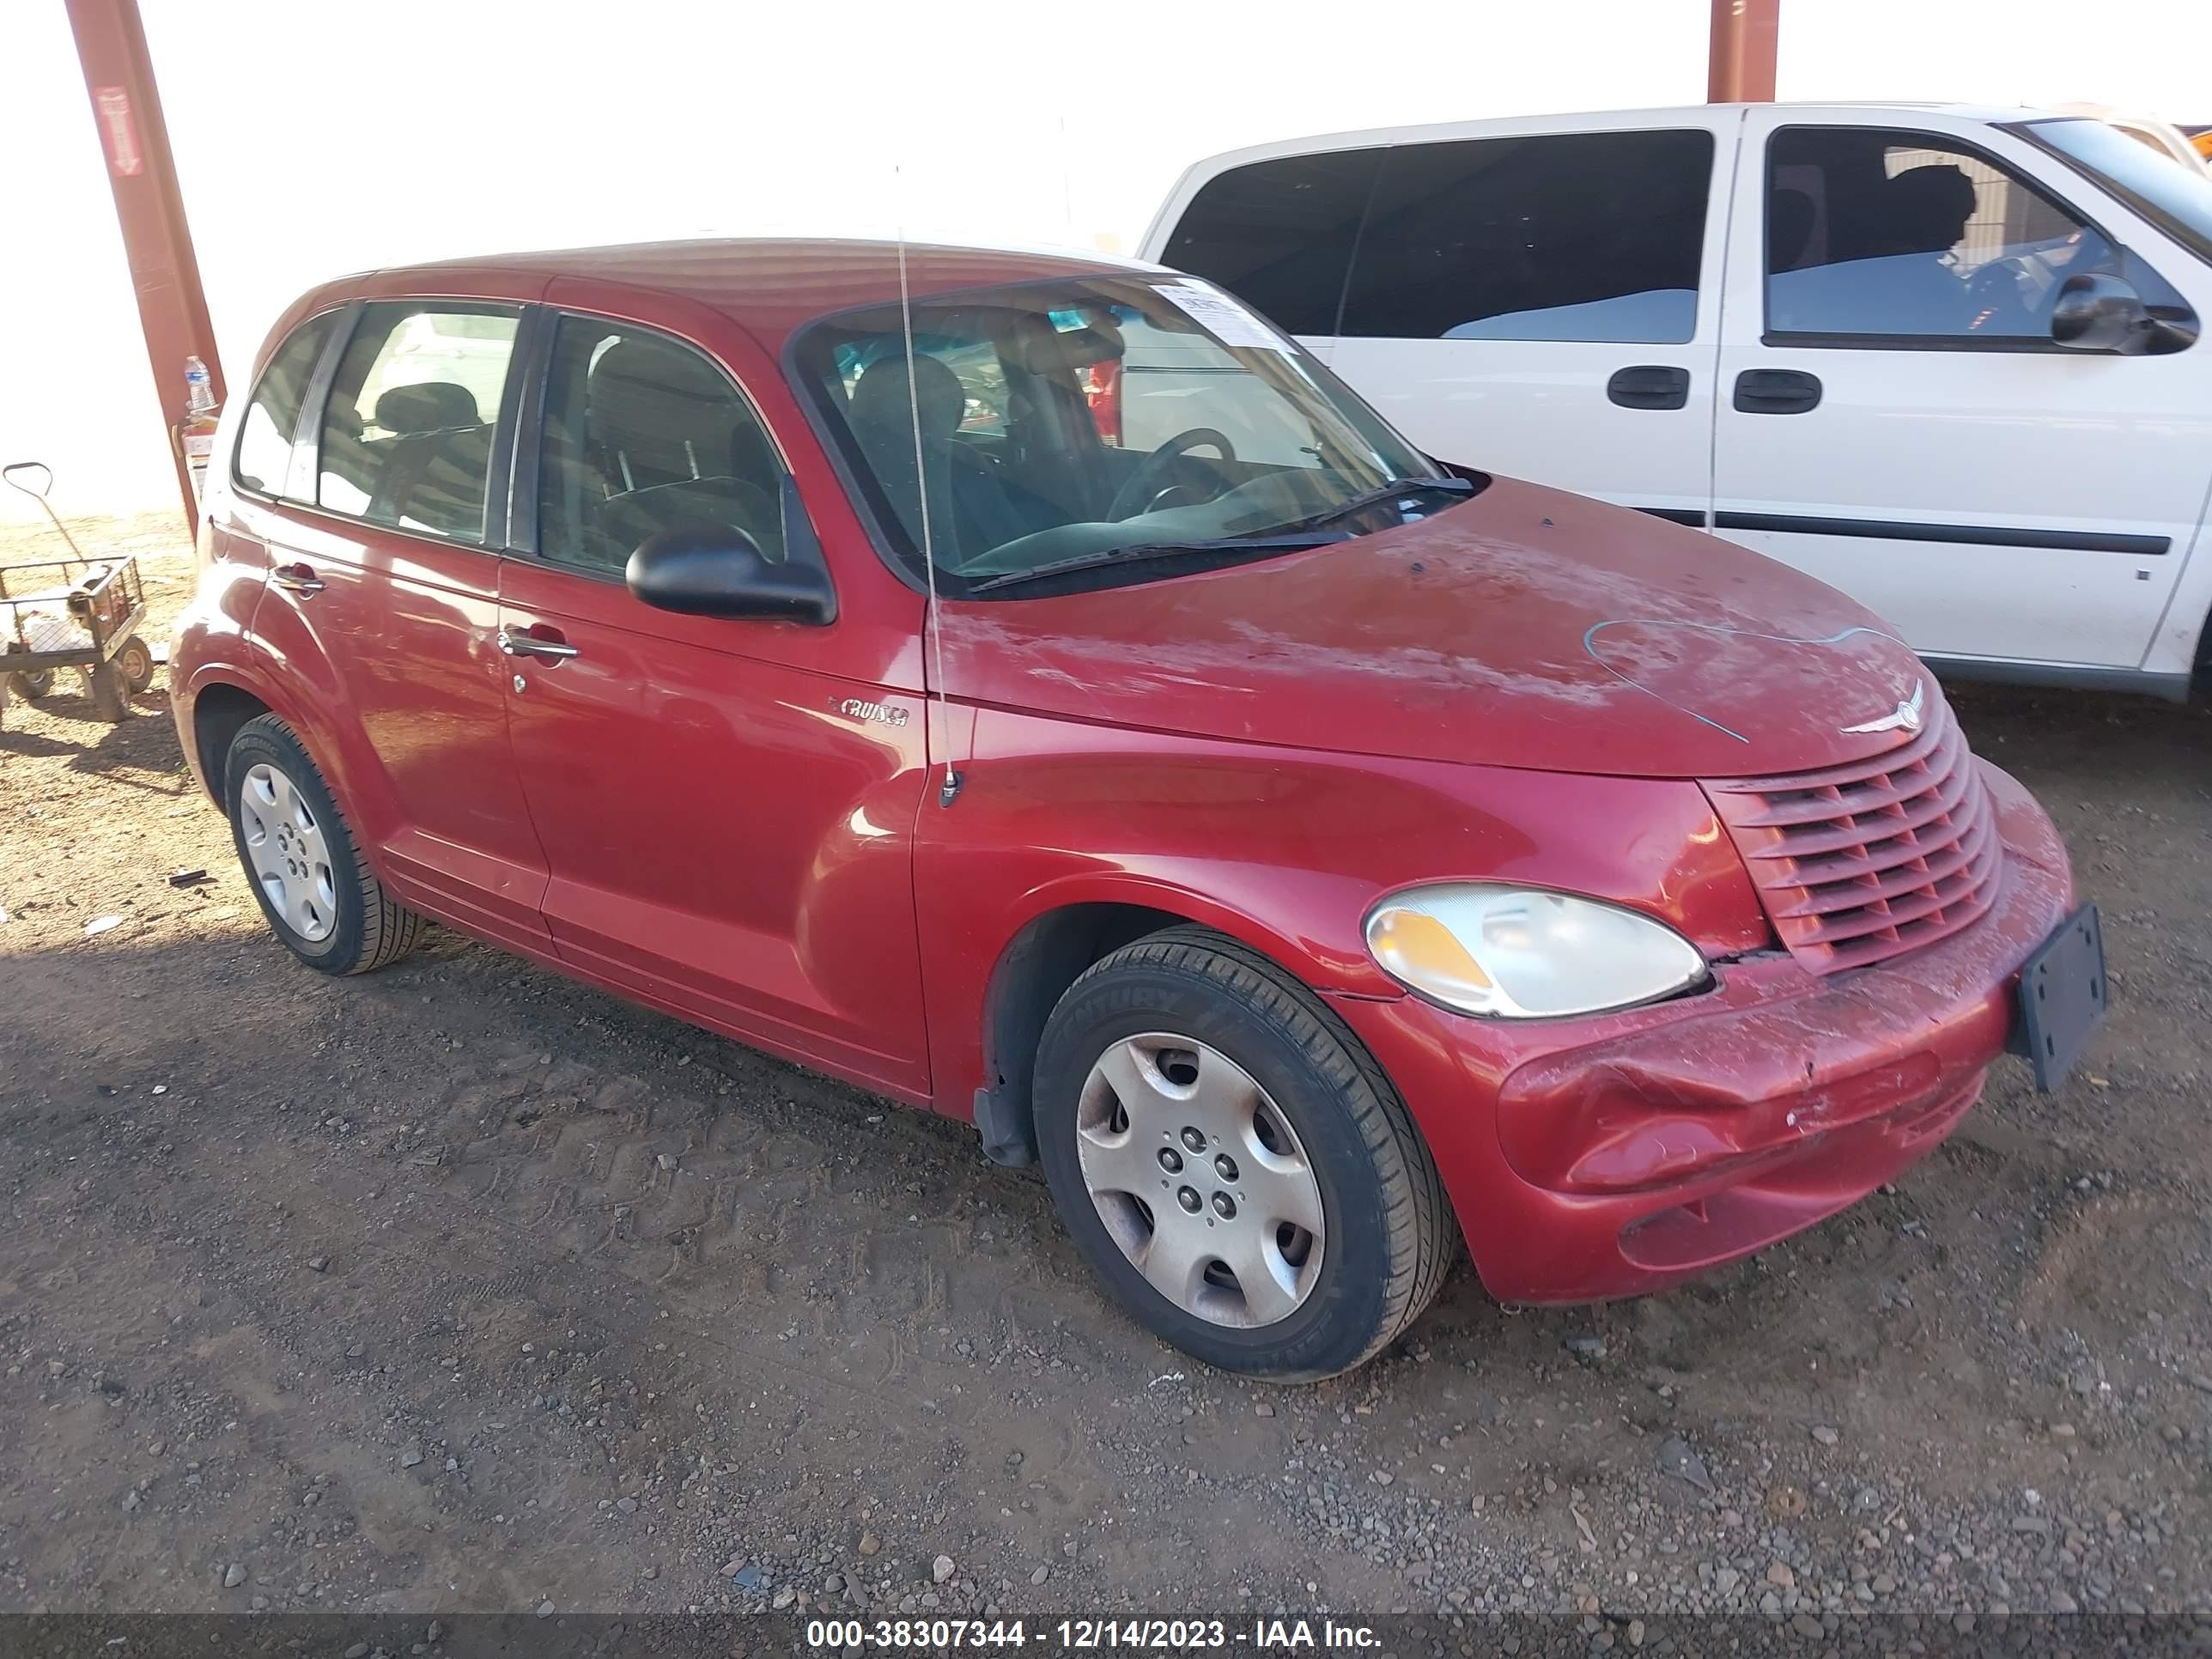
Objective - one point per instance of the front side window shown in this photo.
(1561, 236)
(264, 461)
(407, 431)
(641, 433)
(1886, 235)
(1104, 420)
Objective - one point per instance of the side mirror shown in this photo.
(2097, 312)
(713, 570)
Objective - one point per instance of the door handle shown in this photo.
(1777, 392)
(299, 579)
(530, 645)
(1649, 386)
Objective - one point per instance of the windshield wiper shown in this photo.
(1380, 494)
(1145, 552)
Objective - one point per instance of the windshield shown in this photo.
(1071, 422)
(2175, 196)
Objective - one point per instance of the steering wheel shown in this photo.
(1996, 289)
(1151, 476)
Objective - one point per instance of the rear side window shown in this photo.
(643, 434)
(1564, 236)
(264, 461)
(407, 431)
(1279, 234)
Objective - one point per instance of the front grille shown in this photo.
(1865, 861)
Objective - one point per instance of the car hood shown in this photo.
(1525, 628)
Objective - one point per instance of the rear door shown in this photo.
(1528, 300)
(1896, 418)
(383, 602)
(726, 806)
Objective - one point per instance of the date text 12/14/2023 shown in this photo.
(1089, 1635)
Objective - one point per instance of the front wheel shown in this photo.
(1233, 1163)
(317, 891)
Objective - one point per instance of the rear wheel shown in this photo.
(32, 683)
(1233, 1163)
(318, 892)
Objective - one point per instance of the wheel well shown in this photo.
(1046, 957)
(217, 713)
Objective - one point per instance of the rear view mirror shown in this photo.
(2094, 311)
(714, 570)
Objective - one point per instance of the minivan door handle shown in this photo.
(299, 579)
(1649, 386)
(1777, 392)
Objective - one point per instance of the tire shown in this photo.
(135, 662)
(31, 684)
(300, 857)
(1316, 1102)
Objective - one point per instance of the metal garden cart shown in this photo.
(77, 612)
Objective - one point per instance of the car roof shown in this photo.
(774, 286)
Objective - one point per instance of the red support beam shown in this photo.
(126, 108)
(1740, 67)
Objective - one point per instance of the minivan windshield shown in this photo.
(2172, 195)
(1137, 425)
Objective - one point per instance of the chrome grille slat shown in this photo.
(1861, 862)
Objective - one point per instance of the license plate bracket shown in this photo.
(2063, 996)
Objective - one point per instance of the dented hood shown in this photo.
(1524, 628)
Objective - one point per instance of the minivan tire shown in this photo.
(367, 928)
(1387, 1236)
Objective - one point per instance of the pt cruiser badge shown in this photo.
(884, 714)
(1905, 717)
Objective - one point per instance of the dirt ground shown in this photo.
(462, 1287)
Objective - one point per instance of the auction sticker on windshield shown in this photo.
(1231, 323)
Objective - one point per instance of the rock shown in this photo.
(1263, 1409)
(408, 1459)
(358, 1650)
(545, 1609)
(1676, 1458)
(233, 1576)
(784, 1597)
(1383, 1477)
(941, 1569)
(1726, 1580)
(667, 1160)
(652, 1572)
(833, 1583)
(130, 1500)
(1884, 1585)
(869, 1543)
(1779, 1575)
(1586, 1347)
(1039, 1575)
(1825, 1434)
(746, 1577)
(627, 1505)
(321, 1264)
(1806, 1625)
(2062, 1602)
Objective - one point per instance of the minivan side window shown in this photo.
(1877, 236)
(642, 433)
(1279, 234)
(263, 459)
(407, 430)
(1560, 236)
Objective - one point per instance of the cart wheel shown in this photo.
(135, 662)
(31, 683)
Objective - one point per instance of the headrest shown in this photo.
(1035, 345)
(1930, 205)
(1790, 216)
(426, 406)
(881, 403)
(642, 388)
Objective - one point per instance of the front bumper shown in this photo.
(1600, 1158)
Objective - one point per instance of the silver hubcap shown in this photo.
(291, 860)
(1201, 1180)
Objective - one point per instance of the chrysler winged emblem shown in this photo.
(1906, 717)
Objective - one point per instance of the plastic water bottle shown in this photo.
(199, 394)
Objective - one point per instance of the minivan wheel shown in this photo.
(318, 892)
(1233, 1163)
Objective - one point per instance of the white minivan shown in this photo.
(1945, 359)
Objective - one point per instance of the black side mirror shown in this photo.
(2097, 312)
(714, 570)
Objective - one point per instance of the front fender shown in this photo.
(1285, 850)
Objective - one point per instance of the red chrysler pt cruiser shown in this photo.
(1034, 688)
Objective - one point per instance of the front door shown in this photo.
(1896, 419)
(728, 818)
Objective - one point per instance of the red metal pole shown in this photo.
(126, 107)
(1740, 67)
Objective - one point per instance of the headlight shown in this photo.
(1521, 953)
